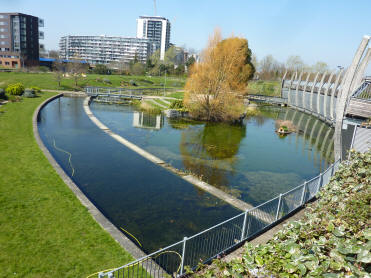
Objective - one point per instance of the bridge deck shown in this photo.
(359, 108)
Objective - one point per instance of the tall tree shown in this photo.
(225, 69)
(295, 63)
(320, 67)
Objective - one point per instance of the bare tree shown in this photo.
(76, 69)
(320, 67)
(53, 54)
(58, 70)
(295, 63)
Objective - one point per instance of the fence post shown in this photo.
(320, 181)
(100, 275)
(303, 194)
(110, 275)
(244, 225)
(278, 207)
(183, 253)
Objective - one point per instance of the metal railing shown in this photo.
(364, 91)
(173, 260)
(95, 91)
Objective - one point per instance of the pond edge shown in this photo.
(115, 233)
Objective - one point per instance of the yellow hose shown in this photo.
(69, 159)
(131, 236)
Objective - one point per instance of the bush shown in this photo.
(332, 240)
(107, 81)
(30, 93)
(132, 83)
(177, 104)
(13, 98)
(37, 90)
(44, 69)
(2, 93)
(101, 69)
(16, 89)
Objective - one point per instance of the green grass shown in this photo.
(161, 102)
(45, 231)
(268, 88)
(48, 81)
(178, 95)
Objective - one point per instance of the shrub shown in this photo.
(13, 98)
(177, 104)
(16, 89)
(44, 69)
(30, 93)
(2, 93)
(132, 83)
(36, 89)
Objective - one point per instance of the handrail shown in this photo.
(308, 191)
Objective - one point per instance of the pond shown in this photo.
(249, 161)
(153, 206)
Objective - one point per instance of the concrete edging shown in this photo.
(118, 236)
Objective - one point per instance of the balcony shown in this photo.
(41, 22)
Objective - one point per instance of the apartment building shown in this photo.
(19, 39)
(104, 49)
(157, 29)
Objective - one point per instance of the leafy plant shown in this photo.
(332, 240)
(16, 89)
(177, 104)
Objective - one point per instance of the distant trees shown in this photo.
(268, 68)
(76, 69)
(295, 63)
(213, 84)
(320, 67)
(101, 69)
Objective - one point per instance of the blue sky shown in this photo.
(316, 30)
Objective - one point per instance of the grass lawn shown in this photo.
(178, 95)
(268, 88)
(48, 81)
(45, 231)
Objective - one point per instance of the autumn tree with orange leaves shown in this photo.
(215, 82)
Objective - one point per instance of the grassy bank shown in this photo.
(48, 81)
(267, 88)
(332, 240)
(45, 231)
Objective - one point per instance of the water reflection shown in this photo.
(147, 120)
(249, 160)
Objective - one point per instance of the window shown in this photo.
(3, 23)
(3, 30)
(7, 63)
(3, 36)
(3, 16)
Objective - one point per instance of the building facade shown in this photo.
(104, 49)
(19, 40)
(157, 29)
